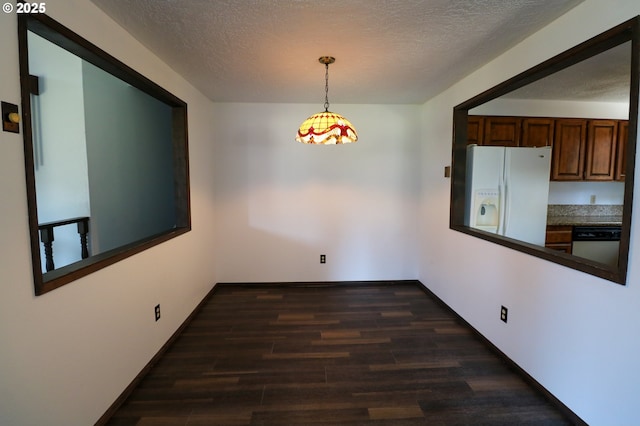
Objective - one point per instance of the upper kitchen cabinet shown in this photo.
(510, 131)
(475, 129)
(621, 160)
(592, 150)
(583, 148)
(568, 152)
(502, 131)
(537, 132)
(602, 140)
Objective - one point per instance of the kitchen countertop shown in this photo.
(585, 220)
(584, 215)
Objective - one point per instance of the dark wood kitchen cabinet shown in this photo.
(537, 132)
(559, 237)
(569, 146)
(475, 129)
(582, 148)
(621, 157)
(502, 131)
(509, 131)
(602, 141)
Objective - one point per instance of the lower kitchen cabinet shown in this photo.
(559, 238)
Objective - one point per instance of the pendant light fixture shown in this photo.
(326, 128)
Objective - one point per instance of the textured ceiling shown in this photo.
(605, 77)
(387, 51)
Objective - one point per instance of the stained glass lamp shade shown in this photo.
(326, 127)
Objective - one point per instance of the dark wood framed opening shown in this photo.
(625, 32)
(176, 175)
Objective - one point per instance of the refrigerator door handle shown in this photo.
(505, 209)
(501, 209)
(502, 185)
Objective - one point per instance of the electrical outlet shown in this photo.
(503, 313)
(592, 199)
(157, 311)
(323, 258)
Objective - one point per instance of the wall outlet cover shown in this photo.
(504, 313)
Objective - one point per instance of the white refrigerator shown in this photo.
(507, 191)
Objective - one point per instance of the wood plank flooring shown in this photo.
(331, 355)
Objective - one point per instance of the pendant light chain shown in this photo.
(326, 88)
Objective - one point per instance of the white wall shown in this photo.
(60, 154)
(606, 193)
(130, 157)
(282, 203)
(563, 109)
(65, 356)
(574, 333)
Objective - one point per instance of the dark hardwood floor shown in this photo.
(331, 355)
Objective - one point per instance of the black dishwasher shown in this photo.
(598, 243)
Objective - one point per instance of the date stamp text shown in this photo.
(24, 8)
